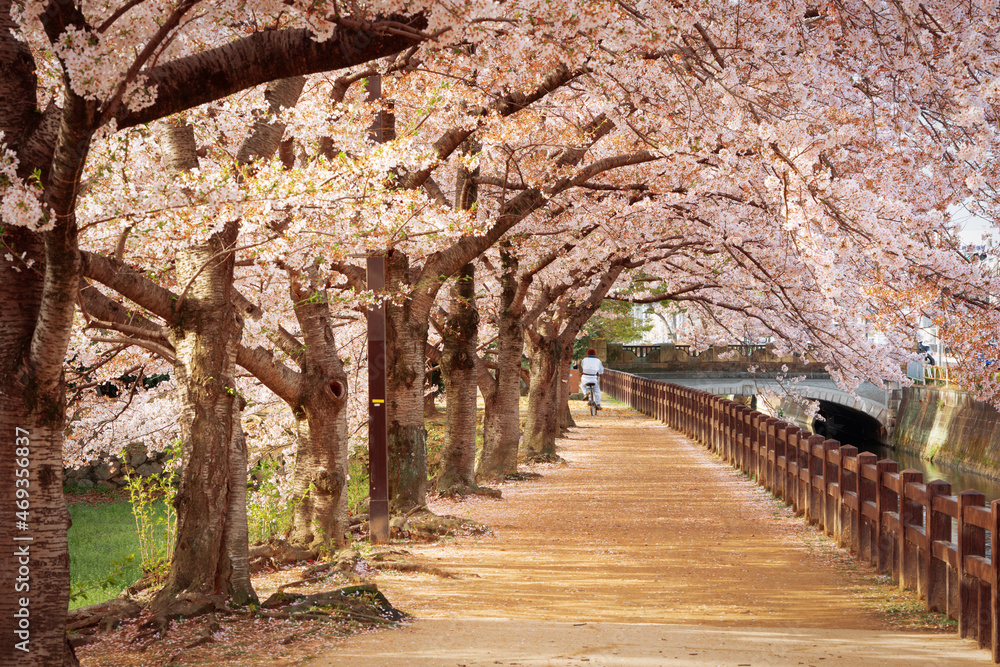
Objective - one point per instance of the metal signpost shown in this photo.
(378, 460)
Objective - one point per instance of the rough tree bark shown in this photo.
(36, 316)
(211, 550)
(31, 424)
(406, 327)
(37, 308)
(320, 478)
(541, 426)
(501, 394)
(550, 344)
(210, 554)
(565, 417)
(458, 368)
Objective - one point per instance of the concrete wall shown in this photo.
(949, 427)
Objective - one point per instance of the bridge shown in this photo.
(724, 372)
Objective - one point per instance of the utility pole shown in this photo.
(378, 457)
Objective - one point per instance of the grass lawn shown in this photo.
(102, 534)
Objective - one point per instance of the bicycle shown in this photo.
(590, 398)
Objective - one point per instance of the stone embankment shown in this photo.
(950, 427)
(107, 471)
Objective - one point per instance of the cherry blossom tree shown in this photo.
(81, 65)
(805, 154)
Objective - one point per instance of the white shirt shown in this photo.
(591, 366)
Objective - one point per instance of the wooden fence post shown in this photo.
(814, 503)
(886, 501)
(756, 423)
(745, 450)
(995, 569)
(938, 528)
(867, 494)
(767, 451)
(781, 459)
(910, 520)
(794, 454)
(848, 498)
(971, 542)
(831, 488)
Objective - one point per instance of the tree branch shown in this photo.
(261, 57)
(130, 284)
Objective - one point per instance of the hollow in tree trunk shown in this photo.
(458, 369)
(320, 477)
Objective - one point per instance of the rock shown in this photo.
(147, 469)
(104, 471)
(84, 484)
(397, 523)
(136, 455)
(105, 486)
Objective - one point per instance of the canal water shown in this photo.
(960, 480)
(850, 427)
(856, 429)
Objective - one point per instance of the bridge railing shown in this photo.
(938, 375)
(889, 518)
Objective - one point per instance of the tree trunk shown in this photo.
(501, 417)
(35, 568)
(541, 426)
(210, 553)
(562, 399)
(405, 343)
(236, 531)
(458, 369)
(320, 477)
(430, 407)
(37, 319)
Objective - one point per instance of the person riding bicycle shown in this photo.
(590, 368)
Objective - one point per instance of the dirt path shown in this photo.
(643, 550)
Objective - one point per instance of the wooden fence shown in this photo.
(942, 546)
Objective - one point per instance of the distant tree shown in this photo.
(615, 321)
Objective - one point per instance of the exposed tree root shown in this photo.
(276, 552)
(544, 458)
(426, 526)
(458, 491)
(522, 476)
(185, 605)
(106, 615)
(364, 602)
(420, 568)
